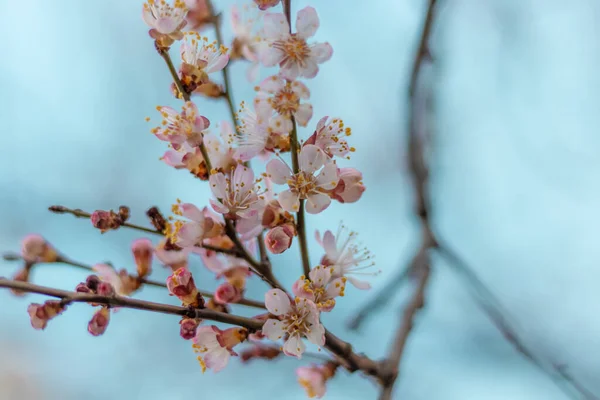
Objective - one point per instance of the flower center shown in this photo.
(294, 48)
(285, 102)
(302, 183)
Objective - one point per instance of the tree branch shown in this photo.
(64, 260)
(127, 302)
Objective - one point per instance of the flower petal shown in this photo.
(278, 171)
(272, 84)
(316, 334)
(218, 185)
(217, 359)
(274, 329)
(317, 202)
(304, 114)
(328, 177)
(192, 212)
(362, 285)
(275, 26)
(320, 275)
(271, 56)
(307, 22)
(294, 346)
(336, 287)
(289, 201)
(277, 302)
(311, 158)
(189, 234)
(321, 52)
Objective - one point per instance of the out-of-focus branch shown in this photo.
(127, 302)
(64, 260)
(420, 177)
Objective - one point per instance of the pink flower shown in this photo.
(314, 377)
(198, 15)
(264, 4)
(330, 137)
(291, 51)
(318, 174)
(279, 238)
(297, 319)
(321, 288)
(197, 52)
(166, 20)
(187, 328)
(123, 283)
(35, 248)
(227, 293)
(214, 346)
(179, 128)
(350, 186)
(99, 322)
(142, 250)
(181, 284)
(40, 314)
(190, 233)
(172, 258)
(275, 93)
(246, 42)
(257, 131)
(345, 257)
(235, 194)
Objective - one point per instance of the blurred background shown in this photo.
(514, 180)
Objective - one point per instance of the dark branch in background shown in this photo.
(483, 297)
(420, 267)
(64, 260)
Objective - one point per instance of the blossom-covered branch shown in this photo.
(127, 302)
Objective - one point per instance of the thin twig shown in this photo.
(127, 302)
(64, 260)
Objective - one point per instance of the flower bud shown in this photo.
(99, 322)
(314, 377)
(106, 220)
(273, 214)
(92, 282)
(237, 276)
(124, 213)
(181, 284)
(142, 250)
(35, 248)
(22, 275)
(279, 239)
(260, 351)
(211, 304)
(105, 289)
(227, 293)
(264, 4)
(350, 187)
(82, 288)
(198, 15)
(231, 337)
(187, 328)
(156, 219)
(40, 314)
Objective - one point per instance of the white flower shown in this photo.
(235, 194)
(275, 93)
(291, 51)
(298, 319)
(318, 174)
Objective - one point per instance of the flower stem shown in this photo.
(300, 224)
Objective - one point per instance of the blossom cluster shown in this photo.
(263, 176)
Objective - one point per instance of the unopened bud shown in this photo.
(279, 239)
(40, 314)
(227, 293)
(92, 282)
(105, 289)
(99, 322)
(106, 220)
(260, 351)
(35, 248)
(181, 284)
(156, 219)
(124, 213)
(142, 250)
(213, 305)
(350, 187)
(187, 328)
(22, 275)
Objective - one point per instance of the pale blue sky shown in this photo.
(515, 183)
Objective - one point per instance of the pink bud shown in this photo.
(22, 275)
(198, 15)
(142, 250)
(230, 337)
(105, 289)
(181, 284)
(227, 293)
(350, 187)
(82, 288)
(40, 314)
(273, 214)
(106, 220)
(36, 248)
(279, 239)
(264, 4)
(99, 322)
(187, 328)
